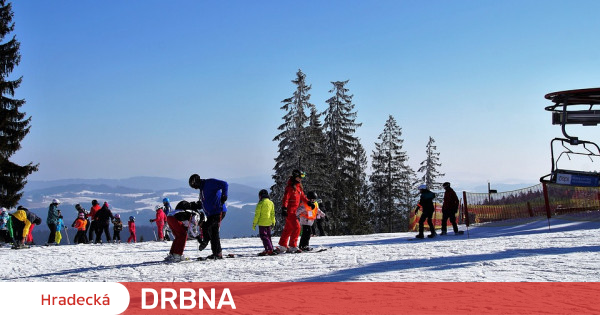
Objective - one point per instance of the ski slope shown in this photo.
(568, 251)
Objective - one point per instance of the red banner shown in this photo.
(363, 298)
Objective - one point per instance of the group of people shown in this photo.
(449, 209)
(202, 219)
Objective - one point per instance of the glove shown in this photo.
(283, 212)
(253, 227)
(223, 198)
(151, 220)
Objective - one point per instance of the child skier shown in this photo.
(80, 224)
(60, 224)
(117, 228)
(131, 225)
(5, 227)
(264, 217)
(307, 213)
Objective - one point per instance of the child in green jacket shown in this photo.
(264, 217)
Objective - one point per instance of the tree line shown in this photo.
(324, 145)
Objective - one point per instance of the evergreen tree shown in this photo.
(392, 180)
(292, 140)
(342, 145)
(359, 205)
(13, 124)
(430, 167)
(315, 163)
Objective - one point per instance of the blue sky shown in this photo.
(129, 88)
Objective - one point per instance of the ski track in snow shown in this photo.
(569, 251)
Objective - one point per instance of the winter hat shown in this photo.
(37, 221)
(106, 204)
(118, 216)
(421, 187)
(56, 201)
(194, 181)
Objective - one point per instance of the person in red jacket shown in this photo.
(131, 225)
(93, 225)
(160, 222)
(292, 197)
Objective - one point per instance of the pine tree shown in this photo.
(359, 205)
(293, 139)
(13, 124)
(392, 180)
(340, 126)
(430, 167)
(316, 163)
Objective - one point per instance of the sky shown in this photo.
(118, 89)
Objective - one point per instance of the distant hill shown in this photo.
(136, 196)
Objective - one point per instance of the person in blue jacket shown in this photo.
(213, 195)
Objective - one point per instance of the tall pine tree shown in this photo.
(340, 126)
(392, 180)
(13, 124)
(293, 139)
(430, 167)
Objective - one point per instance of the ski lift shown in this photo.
(567, 111)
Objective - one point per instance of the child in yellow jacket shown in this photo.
(264, 217)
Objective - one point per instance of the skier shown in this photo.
(60, 224)
(80, 224)
(92, 226)
(449, 209)
(292, 197)
(5, 226)
(22, 220)
(307, 213)
(117, 228)
(160, 222)
(426, 203)
(131, 226)
(264, 217)
(321, 216)
(179, 221)
(168, 235)
(213, 195)
(52, 220)
(102, 218)
(81, 210)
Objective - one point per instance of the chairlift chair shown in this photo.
(563, 114)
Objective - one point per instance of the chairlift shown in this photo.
(566, 110)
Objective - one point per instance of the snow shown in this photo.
(568, 251)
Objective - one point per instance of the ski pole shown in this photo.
(67, 233)
(153, 231)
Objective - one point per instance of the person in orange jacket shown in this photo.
(80, 224)
(292, 198)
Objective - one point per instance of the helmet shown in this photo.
(118, 216)
(263, 194)
(37, 221)
(166, 200)
(94, 202)
(297, 173)
(311, 195)
(81, 215)
(131, 218)
(422, 187)
(56, 201)
(446, 184)
(157, 208)
(194, 181)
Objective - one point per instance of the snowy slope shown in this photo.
(570, 251)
